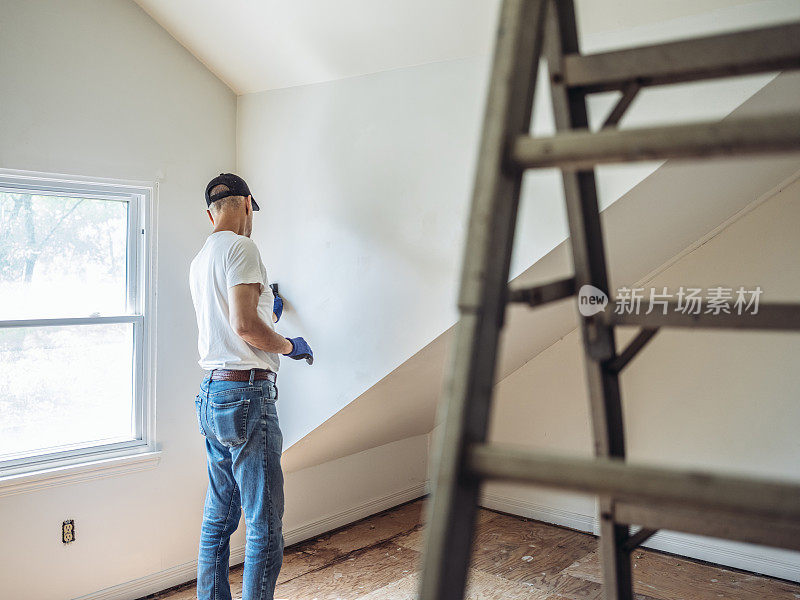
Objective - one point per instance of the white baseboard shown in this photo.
(350, 515)
(150, 584)
(767, 561)
(187, 571)
(539, 512)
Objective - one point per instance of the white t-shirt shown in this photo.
(228, 259)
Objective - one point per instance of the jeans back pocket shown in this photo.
(229, 418)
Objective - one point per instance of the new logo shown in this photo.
(591, 300)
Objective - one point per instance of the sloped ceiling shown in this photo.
(259, 45)
(659, 218)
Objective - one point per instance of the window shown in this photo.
(74, 321)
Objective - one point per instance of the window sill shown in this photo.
(77, 473)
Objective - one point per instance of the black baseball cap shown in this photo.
(236, 187)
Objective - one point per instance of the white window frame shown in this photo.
(140, 312)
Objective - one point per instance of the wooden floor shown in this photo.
(513, 558)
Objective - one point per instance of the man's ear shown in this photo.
(211, 217)
(248, 206)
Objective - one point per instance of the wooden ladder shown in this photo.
(736, 508)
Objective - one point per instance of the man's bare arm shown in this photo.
(248, 325)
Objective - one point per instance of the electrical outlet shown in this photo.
(68, 531)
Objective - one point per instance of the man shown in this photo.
(236, 413)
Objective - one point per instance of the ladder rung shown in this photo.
(621, 480)
(755, 51)
(584, 149)
(779, 533)
(638, 538)
(769, 316)
(632, 349)
(544, 293)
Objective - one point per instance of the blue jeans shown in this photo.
(243, 447)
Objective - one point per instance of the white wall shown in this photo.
(354, 487)
(714, 400)
(365, 184)
(96, 88)
(318, 499)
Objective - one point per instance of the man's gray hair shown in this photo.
(223, 203)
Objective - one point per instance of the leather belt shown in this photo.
(241, 375)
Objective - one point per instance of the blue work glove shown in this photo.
(277, 307)
(300, 350)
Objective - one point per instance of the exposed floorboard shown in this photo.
(513, 558)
